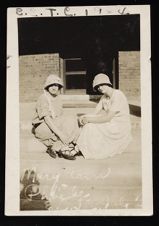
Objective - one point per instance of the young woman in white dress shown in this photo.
(107, 131)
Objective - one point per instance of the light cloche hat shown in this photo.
(101, 79)
(53, 79)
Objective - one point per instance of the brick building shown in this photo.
(77, 49)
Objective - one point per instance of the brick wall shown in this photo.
(33, 70)
(129, 75)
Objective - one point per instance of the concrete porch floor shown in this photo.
(113, 183)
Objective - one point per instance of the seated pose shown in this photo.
(54, 129)
(108, 131)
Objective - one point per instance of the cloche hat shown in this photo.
(53, 79)
(101, 79)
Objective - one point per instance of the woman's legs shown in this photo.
(69, 126)
(44, 135)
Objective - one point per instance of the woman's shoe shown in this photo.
(59, 154)
(68, 156)
(51, 152)
(66, 153)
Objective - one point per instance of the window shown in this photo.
(75, 76)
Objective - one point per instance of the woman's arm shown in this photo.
(101, 118)
(48, 120)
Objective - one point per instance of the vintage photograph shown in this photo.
(79, 111)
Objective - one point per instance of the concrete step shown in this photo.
(72, 97)
(26, 126)
(79, 104)
(73, 107)
(29, 144)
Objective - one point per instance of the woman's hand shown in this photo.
(83, 120)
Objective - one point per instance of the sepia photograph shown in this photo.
(79, 136)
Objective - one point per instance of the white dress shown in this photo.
(102, 140)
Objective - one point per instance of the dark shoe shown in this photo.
(79, 153)
(59, 154)
(51, 153)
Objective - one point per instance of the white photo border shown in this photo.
(12, 114)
